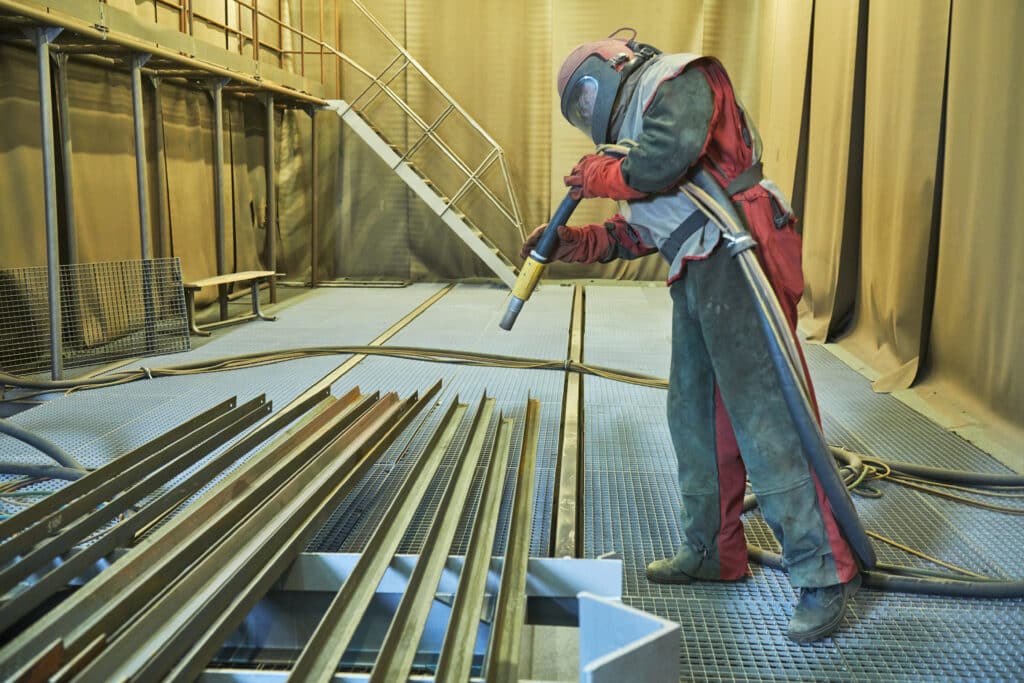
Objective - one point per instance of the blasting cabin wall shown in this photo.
(894, 127)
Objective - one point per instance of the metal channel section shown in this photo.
(319, 659)
(61, 531)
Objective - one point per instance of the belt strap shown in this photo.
(746, 180)
(694, 222)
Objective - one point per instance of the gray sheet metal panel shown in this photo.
(465, 319)
(736, 632)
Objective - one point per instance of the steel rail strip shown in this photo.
(160, 468)
(192, 663)
(456, 659)
(506, 630)
(58, 501)
(156, 639)
(397, 652)
(113, 597)
(122, 534)
(319, 659)
(567, 531)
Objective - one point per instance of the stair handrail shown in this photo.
(512, 212)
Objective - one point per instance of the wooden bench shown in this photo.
(253, 277)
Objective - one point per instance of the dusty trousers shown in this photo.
(720, 352)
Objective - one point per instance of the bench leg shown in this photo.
(190, 297)
(255, 286)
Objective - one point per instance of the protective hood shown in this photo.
(590, 79)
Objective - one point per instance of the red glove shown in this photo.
(600, 175)
(587, 244)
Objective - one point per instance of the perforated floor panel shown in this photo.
(730, 632)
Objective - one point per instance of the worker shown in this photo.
(657, 118)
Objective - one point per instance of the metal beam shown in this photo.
(121, 534)
(567, 531)
(158, 638)
(220, 221)
(456, 659)
(140, 155)
(271, 204)
(162, 229)
(105, 603)
(314, 227)
(509, 615)
(42, 38)
(59, 501)
(194, 661)
(57, 534)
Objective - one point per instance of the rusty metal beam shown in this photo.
(319, 659)
(567, 518)
(509, 616)
(396, 655)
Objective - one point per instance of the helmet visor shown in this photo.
(580, 103)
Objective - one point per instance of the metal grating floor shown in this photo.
(736, 632)
(730, 632)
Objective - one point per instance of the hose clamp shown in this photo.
(739, 242)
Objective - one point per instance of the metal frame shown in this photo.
(103, 32)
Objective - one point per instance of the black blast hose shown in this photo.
(786, 360)
(533, 268)
(49, 448)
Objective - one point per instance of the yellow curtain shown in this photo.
(23, 233)
(906, 59)
(830, 217)
(977, 329)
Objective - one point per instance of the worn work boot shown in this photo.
(687, 566)
(664, 571)
(818, 612)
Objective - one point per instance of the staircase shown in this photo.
(417, 132)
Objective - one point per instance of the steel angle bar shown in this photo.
(456, 658)
(567, 532)
(152, 644)
(117, 495)
(320, 657)
(121, 535)
(506, 631)
(111, 599)
(191, 664)
(398, 650)
(58, 501)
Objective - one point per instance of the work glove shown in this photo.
(600, 175)
(586, 244)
